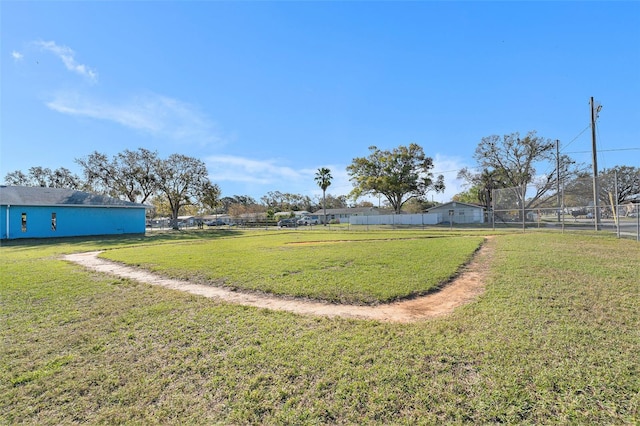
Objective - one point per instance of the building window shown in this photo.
(24, 222)
(53, 221)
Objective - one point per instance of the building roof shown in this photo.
(40, 196)
(455, 204)
(354, 211)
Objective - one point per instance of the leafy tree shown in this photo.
(183, 180)
(130, 174)
(45, 177)
(331, 201)
(270, 214)
(190, 210)
(399, 175)
(159, 207)
(510, 162)
(481, 186)
(240, 210)
(279, 201)
(323, 179)
(210, 197)
(578, 192)
(469, 196)
(413, 206)
(226, 203)
(418, 205)
(628, 182)
(244, 200)
(364, 204)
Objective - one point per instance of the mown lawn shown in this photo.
(554, 339)
(349, 267)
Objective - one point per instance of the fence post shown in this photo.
(562, 206)
(615, 206)
(493, 210)
(524, 211)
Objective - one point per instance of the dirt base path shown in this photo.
(463, 289)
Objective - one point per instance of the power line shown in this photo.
(604, 150)
(579, 134)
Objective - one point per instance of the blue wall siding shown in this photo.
(71, 221)
(3, 222)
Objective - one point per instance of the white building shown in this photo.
(456, 212)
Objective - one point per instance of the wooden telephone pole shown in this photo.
(558, 196)
(596, 186)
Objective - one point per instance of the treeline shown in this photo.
(180, 184)
(174, 183)
(512, 161)
(177, 185)
(400, 178)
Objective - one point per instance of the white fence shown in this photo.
(397, 219)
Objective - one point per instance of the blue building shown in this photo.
(35, 212)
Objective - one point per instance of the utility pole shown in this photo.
(616, 216)
(596, 186)
(559, 202)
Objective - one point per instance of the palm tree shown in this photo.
(323, 179)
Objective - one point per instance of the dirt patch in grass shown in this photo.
(463, 289)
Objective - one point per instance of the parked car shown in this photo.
(306, 220)
(217, 222)
(287, 223)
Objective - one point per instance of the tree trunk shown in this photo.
(324, 207)
(174, 218)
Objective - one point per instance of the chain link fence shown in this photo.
(573, 205)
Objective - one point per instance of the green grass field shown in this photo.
(350, 267)
(555, 338)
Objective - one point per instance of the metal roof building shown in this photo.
(36, 212)
(456, 212)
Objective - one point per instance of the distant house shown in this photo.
(456, 212)
(35, 212)
(187, 221)
(343, 215)
(217, 219)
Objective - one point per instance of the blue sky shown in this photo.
(265, 93)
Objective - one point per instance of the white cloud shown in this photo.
(241, 175)
(449, 168)
(153, 114)
(150, 113)
(240, 169)
(67, 56)
(17, 56)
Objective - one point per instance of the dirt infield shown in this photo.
(463, 289)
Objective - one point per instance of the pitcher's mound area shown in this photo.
(463, 289)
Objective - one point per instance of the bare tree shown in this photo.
(130, 174)
(283, 201)
(510, 162)
(16, 178)
(331, 201)
(45, 177)
(625, 179)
